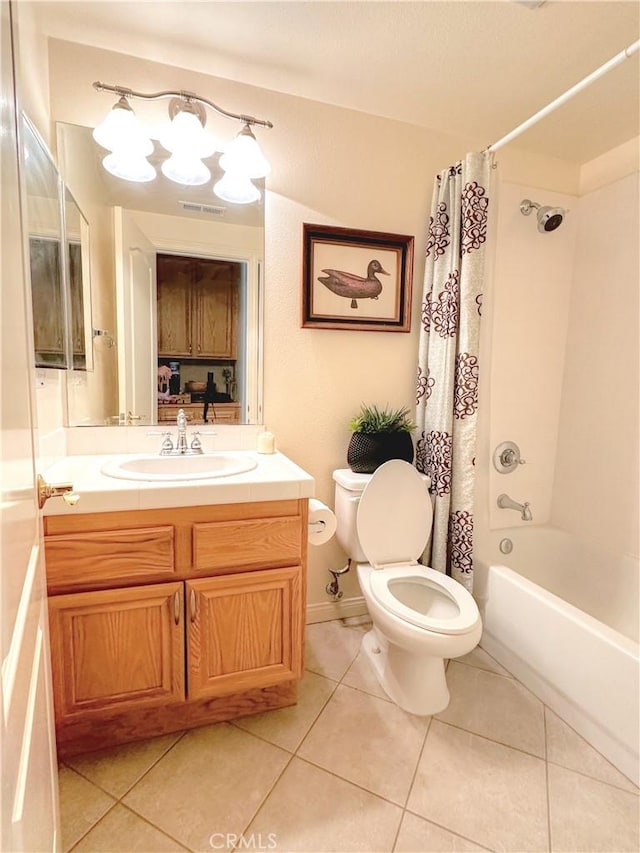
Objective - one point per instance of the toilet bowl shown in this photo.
(420, 616)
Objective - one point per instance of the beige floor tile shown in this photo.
(478, 657)
(368, 741)
(116, 770)
(311, 810)
(417, 834)
(331, 648)
(286, 727)
(495, 707)
(361, 676)
(81, 806)
(487, 792)
(590, 815)
(213, 780)
(567, 748)
(122, 831)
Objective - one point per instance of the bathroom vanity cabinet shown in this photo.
(163, 620)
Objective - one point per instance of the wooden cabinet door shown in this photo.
(175, 308)
(216, 308)
(117, 649)
(243, 631)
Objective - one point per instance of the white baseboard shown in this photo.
(328, 610)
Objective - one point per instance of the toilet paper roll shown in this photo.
(322, 523)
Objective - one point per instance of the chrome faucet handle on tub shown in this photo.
(505, 502)
(506, 457)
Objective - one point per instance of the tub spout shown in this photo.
(505, 502)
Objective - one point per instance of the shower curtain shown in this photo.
(447, 386)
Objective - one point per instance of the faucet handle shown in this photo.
(167, 445)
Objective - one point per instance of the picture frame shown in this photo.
(356, 280)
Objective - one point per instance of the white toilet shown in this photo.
(420, 616)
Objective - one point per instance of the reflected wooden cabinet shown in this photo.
(197, 307)
(46, 287)
(218, 413)
(163, 620)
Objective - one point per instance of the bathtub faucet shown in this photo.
(505, 502)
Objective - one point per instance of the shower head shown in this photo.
(549, 218)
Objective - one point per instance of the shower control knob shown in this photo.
(506, 457)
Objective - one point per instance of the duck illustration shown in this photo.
(352, 286)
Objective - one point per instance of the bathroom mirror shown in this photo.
(151, 323)
(43, 224)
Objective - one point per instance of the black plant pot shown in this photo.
(368, 451)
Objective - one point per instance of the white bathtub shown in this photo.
(564, 620)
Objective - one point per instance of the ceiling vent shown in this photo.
(211, 209)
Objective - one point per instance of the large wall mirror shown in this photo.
(58, 234)
(177, 311)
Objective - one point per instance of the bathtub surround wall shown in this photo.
(447, 384)
(564, 385)
(595, 490)
(562, 346)
(530, 307)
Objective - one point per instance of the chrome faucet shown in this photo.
(505, 502)
(182, 447)
(181, 443)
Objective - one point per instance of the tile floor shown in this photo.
(347, 770)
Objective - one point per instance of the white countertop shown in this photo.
(274, 478)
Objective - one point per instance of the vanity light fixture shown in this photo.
(186, 141)
(123, 134)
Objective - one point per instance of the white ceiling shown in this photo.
(476, 69)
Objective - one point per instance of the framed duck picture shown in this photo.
(356, 279)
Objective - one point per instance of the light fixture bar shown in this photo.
(123, 91)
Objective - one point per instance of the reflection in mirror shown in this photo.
(77, 242)
(180, 276)
(43, 224)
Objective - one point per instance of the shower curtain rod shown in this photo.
(587, 81)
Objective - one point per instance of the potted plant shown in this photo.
(379, 435)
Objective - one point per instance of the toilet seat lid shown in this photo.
(394, 515)
(437, 617)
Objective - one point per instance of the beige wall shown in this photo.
(330, 166)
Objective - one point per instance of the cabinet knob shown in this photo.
(192, 605)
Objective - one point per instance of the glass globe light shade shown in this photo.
(186, 170)
(129, 166)
(121, 129)
(187, 136)
(245, 155)
(236, 188)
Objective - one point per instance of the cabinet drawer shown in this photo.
(109, 557)
(232, 545)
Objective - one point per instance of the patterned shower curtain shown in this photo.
(447, 388)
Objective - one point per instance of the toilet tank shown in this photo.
(349, 487)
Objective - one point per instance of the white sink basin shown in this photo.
(171, 468)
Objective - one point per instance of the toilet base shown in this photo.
(416, 683)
